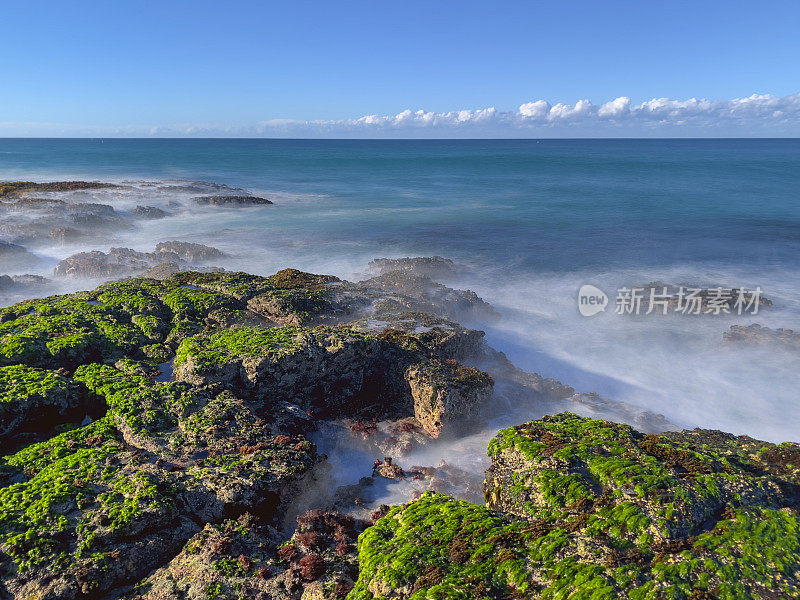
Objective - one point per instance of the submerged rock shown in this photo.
(758, 335)
(150, 212)
(14, 255)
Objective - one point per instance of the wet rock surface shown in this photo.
(593, 509)
(231, 201)
(757, 335)
(436, 267)
(157, 435)
(120, 262)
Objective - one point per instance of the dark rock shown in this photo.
(18, 188)
(231, 201)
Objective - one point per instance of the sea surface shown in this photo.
(530, 221)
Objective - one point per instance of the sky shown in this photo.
(400, 69)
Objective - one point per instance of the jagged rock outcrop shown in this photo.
(119, 262)
(168, 424)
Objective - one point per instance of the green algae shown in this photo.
(19, 383)
(218, 348)
(438, 547)
(143, 405)
(37, 526)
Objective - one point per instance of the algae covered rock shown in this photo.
(322, 369)
(582, 508)
(88, 514)
(35, 401)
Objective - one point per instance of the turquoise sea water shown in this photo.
(549, 204)
(533, 220)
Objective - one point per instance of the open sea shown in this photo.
(531, 222)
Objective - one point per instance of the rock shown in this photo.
(167, 430)
(445, 393)
(14, 256)
(119, 262)
(573, 504)
(426, 295)
(166, 270)
(188, 251)
(231, 201)
(30, 280)
(91, 208)
(23, 233)
(324, 370)
(34, 401)
(701, 300)
(17, 286)
(96, 264)
(435, 267)
(66, 235)
(755, 334)
(245, 558)
(149, 212)
(19, 188)
(8, 250)
(38, 203)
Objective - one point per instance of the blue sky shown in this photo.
(316, 68)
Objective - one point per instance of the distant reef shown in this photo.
(157, 438)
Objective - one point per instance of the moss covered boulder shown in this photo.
(85, 513)
(582, 508)
(35, 401)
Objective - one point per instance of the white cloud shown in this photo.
(538, 109)
(755, 115)
(615, 108)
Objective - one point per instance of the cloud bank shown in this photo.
(756, 115)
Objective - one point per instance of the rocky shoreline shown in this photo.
(159, 431)
(179, 434)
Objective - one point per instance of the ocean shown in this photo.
(530, 221)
